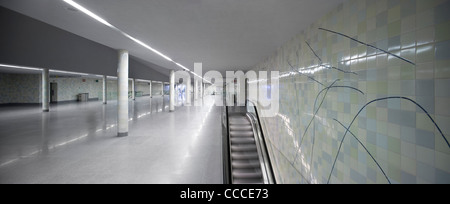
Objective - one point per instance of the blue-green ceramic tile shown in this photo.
(425, 138)
(403, 118)
(441, 13)
(442, 177)
(408, 7)
(443, 50)
(425, 88)
(442, 87)
(426, 172)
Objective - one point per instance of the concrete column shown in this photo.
(172, 91)
(122, 94)
(45, 90)
(162, 88)
(204, 89)
(195, 89)
(133, 91)
(105, 89)
(151, 89)
(201, 88)
(188, 91)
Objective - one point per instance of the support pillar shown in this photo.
(151, 89)
(133, 91)
(201, 88)
(45, 90)
(204, 89)
(105, 90)
(188, 90)
(172, 91)
(195, 89)
(122, 95)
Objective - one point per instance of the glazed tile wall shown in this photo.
(111, 90)
(157, 89)
(26, 88)
(69, 88)
(143, 87)
(4, 88)
(20, 88)
(339, 84)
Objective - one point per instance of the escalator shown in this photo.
(245, 157)
(245, 164)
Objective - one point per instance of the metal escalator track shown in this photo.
(245, 161)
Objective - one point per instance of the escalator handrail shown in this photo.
(227, 179)
(261, 142)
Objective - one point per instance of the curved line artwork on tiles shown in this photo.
(365, 148)
(382, 99)
(333, 85)
(368, 45)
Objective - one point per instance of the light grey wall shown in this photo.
(29, 42)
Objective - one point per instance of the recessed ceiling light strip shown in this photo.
(89, 13)
(20, 67)
(103, 21)
(65, 72)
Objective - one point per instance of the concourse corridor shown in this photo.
(315, 92)
(77, 143)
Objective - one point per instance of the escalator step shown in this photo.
(241, 134)
(244, 155)
(245, 164)
(242, 140)
(238, 120)
(241, 128)
(244, 175)
(235, 121)
(243, 148)
(248, 181)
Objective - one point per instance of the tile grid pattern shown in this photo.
(20, 88)
(394, 140)
(26, 88)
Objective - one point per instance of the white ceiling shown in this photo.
(223, 34)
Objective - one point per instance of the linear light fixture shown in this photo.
(40, 69)
(186, 69)
(142, 80)
(65, 72)
(20, 67)
(145, 45)
(103, 21)
(89, 13)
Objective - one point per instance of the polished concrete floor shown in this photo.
(77, 143)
